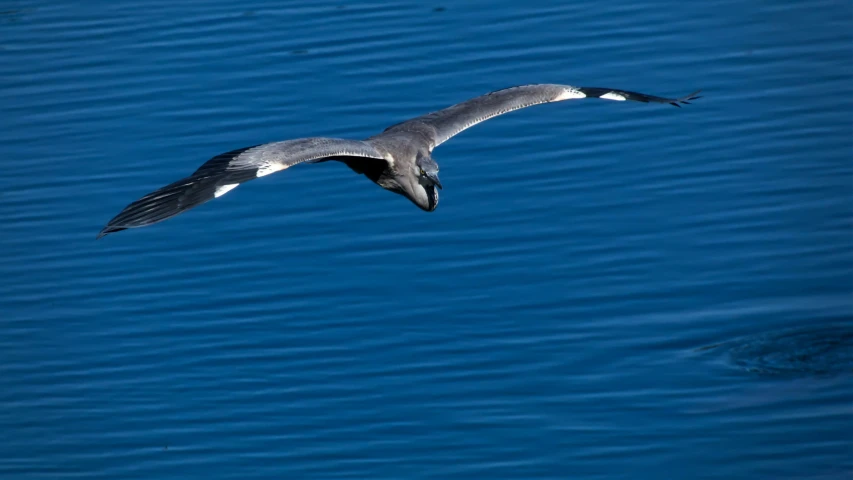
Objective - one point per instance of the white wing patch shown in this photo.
(388, 158)
(223, 189)
(569, 93)
(613, 96)
(269, 168)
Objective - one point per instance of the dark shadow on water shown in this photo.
(802, 351)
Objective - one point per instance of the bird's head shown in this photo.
(426, 175)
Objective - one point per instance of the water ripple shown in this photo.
(545, 319)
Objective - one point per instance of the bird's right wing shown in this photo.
(225, 172)
(452, 120)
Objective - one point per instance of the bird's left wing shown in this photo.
(454, 119)
(225, 172)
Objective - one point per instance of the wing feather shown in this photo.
(454, 119)
(224, 172)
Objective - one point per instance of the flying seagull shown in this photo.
(398, 159)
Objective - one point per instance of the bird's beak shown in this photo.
(435, 180)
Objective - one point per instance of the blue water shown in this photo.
(607, 290)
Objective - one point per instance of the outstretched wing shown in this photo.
(225, 172)
(452, 120)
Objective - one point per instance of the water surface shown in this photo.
(607, 290)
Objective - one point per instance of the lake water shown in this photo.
(607, 290)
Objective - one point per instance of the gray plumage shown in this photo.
(398, 159)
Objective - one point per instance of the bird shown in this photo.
(399, 159)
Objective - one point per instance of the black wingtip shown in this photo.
(692, 96)
(108, 230)
(685, 100)
(163, 203)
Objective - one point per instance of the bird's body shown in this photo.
(398, 159)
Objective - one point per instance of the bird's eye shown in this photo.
(423, 172)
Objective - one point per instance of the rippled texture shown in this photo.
(550, 319)
(822, 351)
